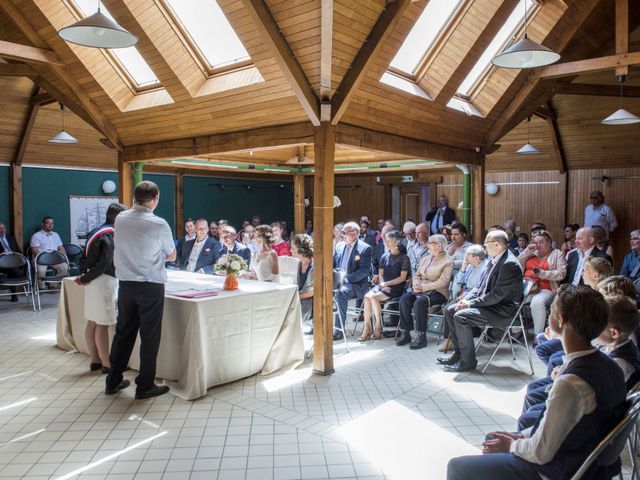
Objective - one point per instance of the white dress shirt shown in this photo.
(195, 253)
(601, 215)
(583, 257)
(570, 399)
(46, 240)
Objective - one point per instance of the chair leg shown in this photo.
(506, 332)
(342, 328)
(513, 352)
(526, 344)
(483, 334)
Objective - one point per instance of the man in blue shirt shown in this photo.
(631, 263)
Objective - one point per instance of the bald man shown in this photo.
(585, 248)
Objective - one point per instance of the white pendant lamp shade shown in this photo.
(621, 117)
(63, 137)
(98, 31)
(525, 54)
(528, 149)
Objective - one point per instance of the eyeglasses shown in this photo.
(487, 243)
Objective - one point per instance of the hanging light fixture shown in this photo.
(621, 116)
(98, 31)
(62, 137)
(528, 149)
(525, 53)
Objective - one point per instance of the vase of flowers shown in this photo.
(231, 265)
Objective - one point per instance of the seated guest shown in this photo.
(392, 275)
(366, 234)
(602, 240)
(200, 254)
(230, 245)
(280, 245)
(303, 251)
(585, 248)
(190, 234)
(546, 267)
(586, 401)
(510, 227)
(9, 244)
(430, 286)
(522, 244)
(595, 270)
(223, 222)
(458, 245)
(213, 231)
(419, 248)
(378, 251)
(264, 265)
(353, 258)
(337, 234)
(308, 227)
(619, 285)
(446, 231)
(47, 240)
(569, 243)
(535, 226)
(492, 302)
(631, 263)
(409, 232)
(468, 277)
(256, 220)
(100, 297)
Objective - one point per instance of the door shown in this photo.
(410, 203)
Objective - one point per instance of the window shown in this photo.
(137, 70)
(498, 43)
(210, 32)
(423, 34)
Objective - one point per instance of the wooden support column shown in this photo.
(477, 205)
(323, 186)
(179, 202)
(16, 203)
(622, 32)
(298, 203)
(125, 182)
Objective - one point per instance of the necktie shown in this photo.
(344, 261)
(484, 278)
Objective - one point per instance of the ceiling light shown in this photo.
(621, 116)
(98, 31)
(62, 137)
(528, 149)
(525, 53)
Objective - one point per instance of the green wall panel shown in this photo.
(5, 196)
(237, 200)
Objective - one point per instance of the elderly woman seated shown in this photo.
(392, 276)
(468, 277)
(547, 267)
(430, 286)
(303, 251)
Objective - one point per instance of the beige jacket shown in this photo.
(438, 274)
(557, 267)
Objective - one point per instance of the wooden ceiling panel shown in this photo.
(14, 104)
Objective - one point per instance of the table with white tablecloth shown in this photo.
(211, 340)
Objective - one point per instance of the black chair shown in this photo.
(74, 253)
(607, 452)
(49, 259)
(17, 262)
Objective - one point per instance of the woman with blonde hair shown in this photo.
(264, 265)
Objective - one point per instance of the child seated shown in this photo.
(595, 270)
(586, 401)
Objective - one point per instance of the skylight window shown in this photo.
(423, 34)
(130, 57)
(210, 31)
(499, 42)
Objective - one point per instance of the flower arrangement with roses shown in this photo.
(230, 263)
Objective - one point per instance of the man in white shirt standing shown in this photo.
(143, 243)
(47, 240)
(599, 213)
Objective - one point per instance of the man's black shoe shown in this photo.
(448, 360)
(121, 386)
(337, 335)
(14, 298)
(419, 342)
(459, 367)
(152, 392)
(404, 338)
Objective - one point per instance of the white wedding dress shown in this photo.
(262, 269)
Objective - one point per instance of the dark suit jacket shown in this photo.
(238, 249)
(503, 292)
(449, 215)
(180, 251)
(370, 238)
(573, 259)
(359, 266)
(208, 255)
(11, 240)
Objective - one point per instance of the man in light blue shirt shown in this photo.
(631, 263)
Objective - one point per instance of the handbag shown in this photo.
(435, 323)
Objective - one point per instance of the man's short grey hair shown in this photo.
(476, 251)
(352, 225)
(408, 227)
(499, 236)
(441, 239)
(230, 229)
(636, 232)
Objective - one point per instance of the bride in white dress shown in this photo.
(264, 265)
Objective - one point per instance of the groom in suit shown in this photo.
(493, 302)
(353, 257)
(200, 254)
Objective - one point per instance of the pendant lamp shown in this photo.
(621, 116)
(98, 31)
(62, 137)
(525, 53)
(528, 149)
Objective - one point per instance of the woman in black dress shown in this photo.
(393, 271)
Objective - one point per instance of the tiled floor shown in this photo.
(387, 412)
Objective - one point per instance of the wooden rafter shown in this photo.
(284, 57)
(589, 65)
(27, 128)
(365, 57)
(622, 32)
(326, 58)
(16, 70)
(42, 99)
(26, 53)
(590, 89)
(558, 146)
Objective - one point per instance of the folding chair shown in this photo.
(384, 309)
(74, 252)
(288, 268)
(12, 261)
(608, 451)
(48, 259)
(507, 331)
(342, 328)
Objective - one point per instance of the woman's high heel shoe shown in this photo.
(377, 335)
(364, 337)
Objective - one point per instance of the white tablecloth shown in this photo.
(207, 341)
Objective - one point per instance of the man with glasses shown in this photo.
(631, 263)
(599, 213)
(493, 302)
(353, 257)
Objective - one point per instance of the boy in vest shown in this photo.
(586, 401)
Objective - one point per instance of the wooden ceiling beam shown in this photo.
(590, 89)
(622, 32)
(589, 65)
(42, 99)
(267, 137)
(284, 57)
(27, 128)
(326, 58)
(16, 70)
(366, 139)
(558, 146)
(385, 24)
(26, 53)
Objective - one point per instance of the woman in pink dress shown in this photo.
(280, 246)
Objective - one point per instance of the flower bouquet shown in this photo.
(231, 265)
